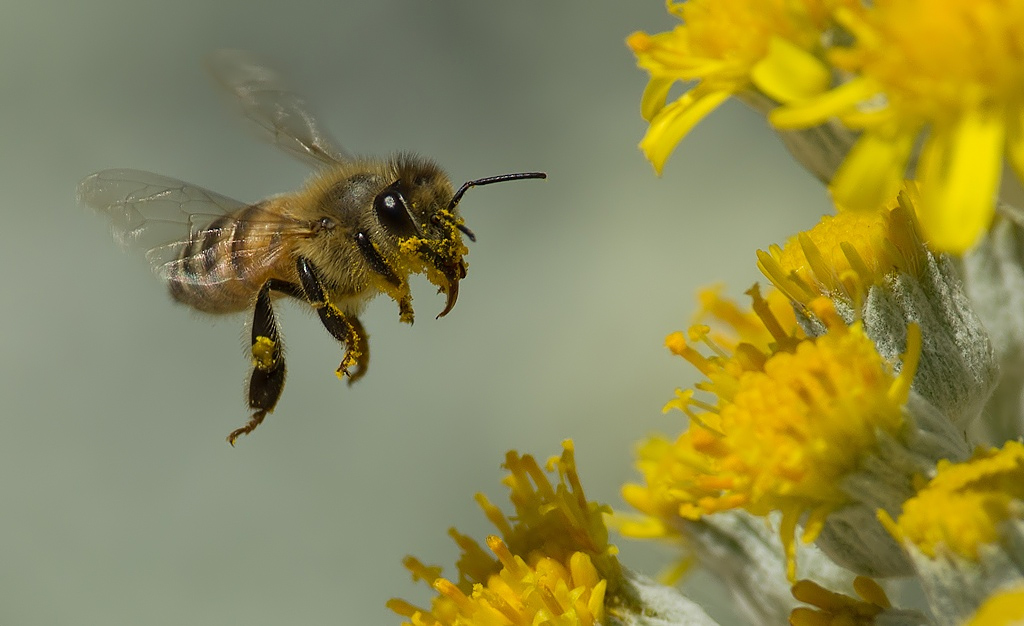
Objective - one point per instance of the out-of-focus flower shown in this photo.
(994, 277)
(552, 565)
(950, 73)
(729, 47)
(835, 609)
(964, 531)
(1003, 608)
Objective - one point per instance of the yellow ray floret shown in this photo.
(963, 506)
(836, 608)
(728, 46)
(552, 565)
(948, 71)
(783, 427)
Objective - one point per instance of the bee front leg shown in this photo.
(399, 288)
(345, 328)
(268, 370)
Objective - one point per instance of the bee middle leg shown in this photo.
(268, 370)
(345, 328)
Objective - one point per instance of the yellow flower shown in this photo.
(787, 424)
(963, 507)
(875, 267)
(950, 72)
(845, 255)
(836, 608)
(552, 565)
(1003, 608)
(728, 46)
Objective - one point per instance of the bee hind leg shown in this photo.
(345, 328)
(268, 370)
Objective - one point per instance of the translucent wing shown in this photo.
(189, 233)
(281, 114)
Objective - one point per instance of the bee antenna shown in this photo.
(487, 181)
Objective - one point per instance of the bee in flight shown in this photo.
(359, 227)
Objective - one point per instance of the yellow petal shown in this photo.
(655, 94)
(674, 121)
(816, 110)
(874, 169)
(959, 175)
(789, 73)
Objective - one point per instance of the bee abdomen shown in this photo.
(222, 267)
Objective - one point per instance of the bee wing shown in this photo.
(148, 209)
(184, 228)
(281, 114)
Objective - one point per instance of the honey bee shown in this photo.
(359, 227)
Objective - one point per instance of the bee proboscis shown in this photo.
(357, 228)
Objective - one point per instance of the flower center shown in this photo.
(963, 506)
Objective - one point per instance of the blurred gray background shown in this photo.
(122, 503)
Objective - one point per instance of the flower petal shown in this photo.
(676, 120)
(655, 94)
(873, 170)
(816, 110)
(959, 175)
(789, 73)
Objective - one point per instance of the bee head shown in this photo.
(420, 209)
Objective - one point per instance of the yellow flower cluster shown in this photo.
(551, 565)
(836, 408)
(838, 404)
(785, 426)
(947, 76)
(724, 46)
(846, 254)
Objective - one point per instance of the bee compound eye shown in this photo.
(393, 213)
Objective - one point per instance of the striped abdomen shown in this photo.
(223, 264)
